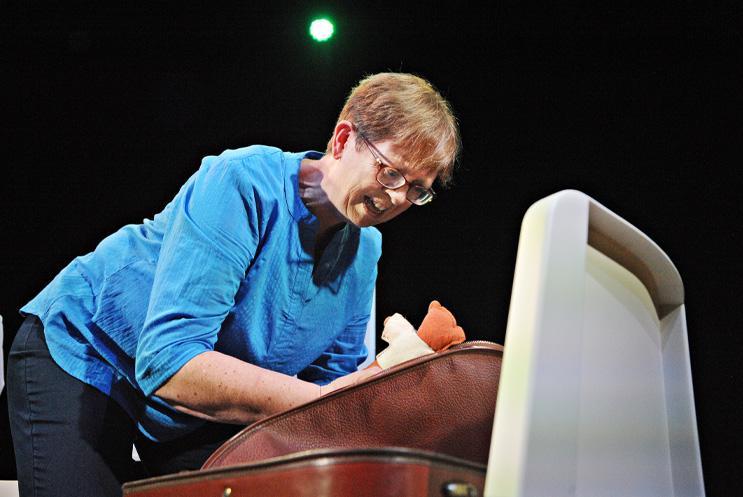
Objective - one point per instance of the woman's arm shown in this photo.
(221, 388)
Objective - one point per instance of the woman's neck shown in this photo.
(315, 198)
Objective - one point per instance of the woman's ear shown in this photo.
(341, 135)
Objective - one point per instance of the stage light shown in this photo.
(321, 29)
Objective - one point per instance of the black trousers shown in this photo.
(72, 440)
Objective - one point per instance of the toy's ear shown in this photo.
(439, 328)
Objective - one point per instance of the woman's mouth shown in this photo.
(374, 207)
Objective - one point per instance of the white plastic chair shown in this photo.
(595, 396)
(370, 338)
(8, 488)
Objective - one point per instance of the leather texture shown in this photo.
(443, 403)
(386, 472)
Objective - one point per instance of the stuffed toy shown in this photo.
(438, 331)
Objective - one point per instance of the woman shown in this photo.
(247, 295)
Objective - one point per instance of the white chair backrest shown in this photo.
(370, 338)
(595, 396)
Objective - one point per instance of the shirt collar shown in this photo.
(292, 163)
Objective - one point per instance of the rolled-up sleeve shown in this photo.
(210, 241)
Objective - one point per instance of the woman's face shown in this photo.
(361, 198)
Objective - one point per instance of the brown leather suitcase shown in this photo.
(438, 406)
(391, 472)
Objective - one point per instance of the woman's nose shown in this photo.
(398, 196)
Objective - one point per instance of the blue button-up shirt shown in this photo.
(228, 265)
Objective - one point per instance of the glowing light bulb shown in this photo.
(321, 29)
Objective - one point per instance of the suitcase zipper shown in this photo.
(479, 342)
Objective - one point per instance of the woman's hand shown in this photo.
(349, 379)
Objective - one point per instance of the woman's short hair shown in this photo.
(410, 112)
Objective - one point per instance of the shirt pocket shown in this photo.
(316, 328)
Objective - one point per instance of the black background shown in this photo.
(108, 106)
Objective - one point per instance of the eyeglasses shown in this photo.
(391, 178)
